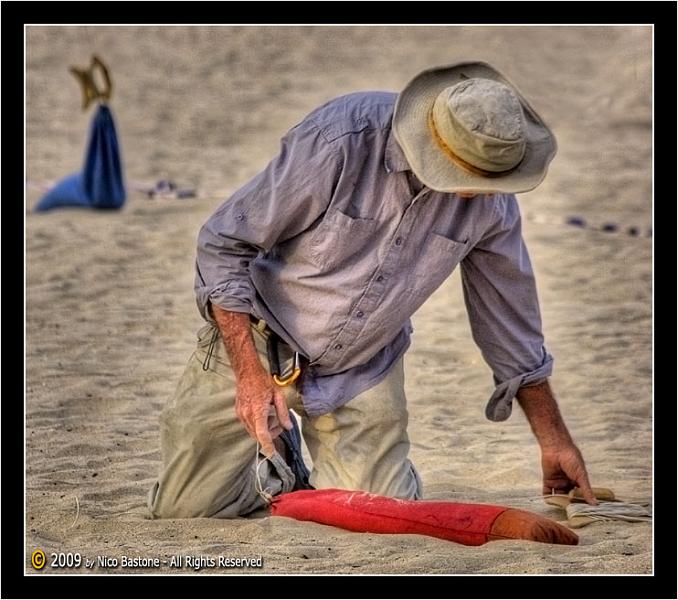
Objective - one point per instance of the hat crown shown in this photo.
(481, 121)
(487, 107)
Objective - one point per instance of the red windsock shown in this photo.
(469, 524)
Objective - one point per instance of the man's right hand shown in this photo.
(258, 399)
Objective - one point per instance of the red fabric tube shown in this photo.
(468, 524)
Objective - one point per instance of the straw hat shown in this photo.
(466, 128)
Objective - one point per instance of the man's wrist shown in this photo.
(535, 383)
(249, 370)
(541, 410)
(555, 441)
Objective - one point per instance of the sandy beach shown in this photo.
(111, 314)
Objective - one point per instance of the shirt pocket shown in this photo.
(435, 263)
(338, 238)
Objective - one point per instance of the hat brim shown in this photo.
(438, 171)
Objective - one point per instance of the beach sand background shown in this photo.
(111, 316)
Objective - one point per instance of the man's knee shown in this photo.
(400, 481)
(181, 493)
(393, 479)
(162, 504)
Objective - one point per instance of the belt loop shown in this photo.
(261, 326)
(210, 350)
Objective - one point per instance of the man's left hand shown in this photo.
(561, 460)
(564, 469)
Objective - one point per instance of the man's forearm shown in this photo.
(236, 332)
(257, 398)
(543, 414)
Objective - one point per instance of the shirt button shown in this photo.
(380, 278)
(338, 347)
(360, 314)
(398, 241)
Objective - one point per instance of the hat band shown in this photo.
(460, 162)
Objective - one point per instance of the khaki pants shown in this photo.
(211, 467)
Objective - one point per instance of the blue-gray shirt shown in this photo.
(335, 247)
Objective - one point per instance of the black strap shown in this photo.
(210, 350)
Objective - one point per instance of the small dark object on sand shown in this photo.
(609, 227)
(576, 221)
(166, 188)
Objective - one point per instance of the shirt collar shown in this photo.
(394, 159)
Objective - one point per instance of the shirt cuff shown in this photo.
(233, 296)
(500, 404)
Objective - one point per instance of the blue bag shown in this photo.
(100, 184)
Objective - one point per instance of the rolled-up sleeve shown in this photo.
(503, 308)
(279, 203)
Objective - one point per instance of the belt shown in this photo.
(273, 342)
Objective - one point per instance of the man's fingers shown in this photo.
(548, 490)
(282, 410)
(264, 437)
(244, 419)
(578, 474)
(585, 488)
(265, 421)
